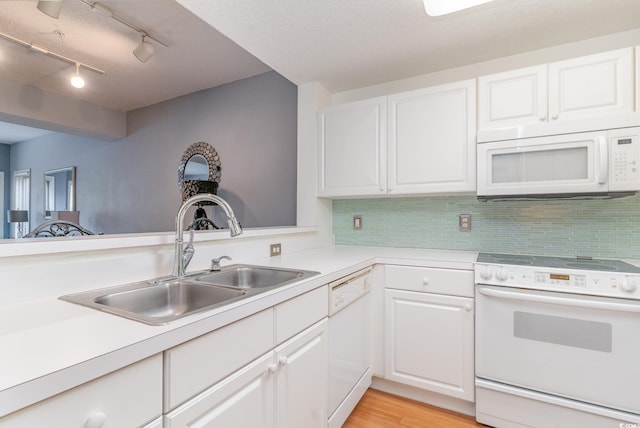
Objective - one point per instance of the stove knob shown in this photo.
(485, 273)
(628, 285)
(502, 275)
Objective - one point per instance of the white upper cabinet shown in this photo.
(512, 98)
(353, 149)
(595, 85)
(431, 144)
(575, 95)
(429, 148)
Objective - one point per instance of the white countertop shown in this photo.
(49, 346)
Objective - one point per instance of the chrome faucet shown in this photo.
(181, 254)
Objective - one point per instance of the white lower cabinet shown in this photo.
(129, 397)
(429, 335)
(301, 381)
(244, 399)
(286, 387)
(267, 370)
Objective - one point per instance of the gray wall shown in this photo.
(130, 185)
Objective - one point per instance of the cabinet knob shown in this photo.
(554, 117)
(425, 281)
(273, 367)
(467, 308)
(283, 361)
(543, 118)
(95, 420)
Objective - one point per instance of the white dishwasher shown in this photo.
(349, 344)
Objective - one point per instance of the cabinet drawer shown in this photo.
(430, 280)
(130, 397)
(196, 365)
(296, 314)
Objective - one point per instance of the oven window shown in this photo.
(592, 335)
(541, 165)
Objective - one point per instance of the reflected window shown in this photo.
(21, 195)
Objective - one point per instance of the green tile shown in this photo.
(598, 228)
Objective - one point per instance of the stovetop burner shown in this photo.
(603, 265)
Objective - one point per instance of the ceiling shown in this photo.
(342, 44)
(356, 43)
(197, 56)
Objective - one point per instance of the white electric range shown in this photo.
(557, 341)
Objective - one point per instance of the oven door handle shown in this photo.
(538, 298)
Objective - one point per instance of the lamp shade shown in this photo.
(17, 216)
(50, 7)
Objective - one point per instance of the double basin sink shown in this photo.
(164, 300)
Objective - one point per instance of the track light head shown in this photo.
(76, 80)
(144, 51)
(50, 7)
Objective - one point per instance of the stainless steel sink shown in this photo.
(254, 277)
(157, 303)
(164, 300)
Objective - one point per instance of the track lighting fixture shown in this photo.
(76, 80)
(50, 7)
(144, 50)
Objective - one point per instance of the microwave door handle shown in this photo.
(602, 160)
(554, 300)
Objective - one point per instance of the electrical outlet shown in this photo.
(357, 222)
(275, 249)
(464, 222)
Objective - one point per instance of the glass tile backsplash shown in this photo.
(607, 228)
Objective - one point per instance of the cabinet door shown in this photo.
(301, 399)
(513, 98)
(129, 397)
(429, 342)
(594, 85)
(244, 399)
(352, 149)
(432, 140)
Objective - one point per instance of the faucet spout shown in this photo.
(234, 226)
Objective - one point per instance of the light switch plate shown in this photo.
(357, 222)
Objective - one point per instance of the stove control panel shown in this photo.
(595, 283)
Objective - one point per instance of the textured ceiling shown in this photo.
(356, 43)
(198, 57)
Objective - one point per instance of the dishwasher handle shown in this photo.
(566, 301)
(347, 290)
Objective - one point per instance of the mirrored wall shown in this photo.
(131, 185)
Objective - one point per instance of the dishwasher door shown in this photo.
(349, 346)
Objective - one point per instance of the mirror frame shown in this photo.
(72, 200)
(206, 151)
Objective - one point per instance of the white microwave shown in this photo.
(590, 164)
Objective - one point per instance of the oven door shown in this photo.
(562, 164)
(580, 347)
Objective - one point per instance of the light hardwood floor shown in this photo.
(381, 410)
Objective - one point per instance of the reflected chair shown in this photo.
(58, 228)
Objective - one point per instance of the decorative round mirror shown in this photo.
(199, 170)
